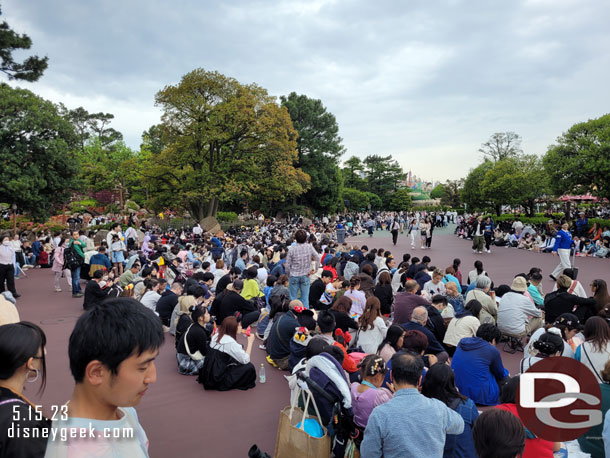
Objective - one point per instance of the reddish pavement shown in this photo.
(183, 419)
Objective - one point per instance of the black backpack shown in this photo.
(72, 259)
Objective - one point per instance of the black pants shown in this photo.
(429, 241)
(394, 236)
(7, 273)
(249, 318)
(487, 241)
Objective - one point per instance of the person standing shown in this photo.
(478, 238)
(395, 229)
(79, 248)
(299, 266)
(563, 243)
(413, 231)
(7, 266)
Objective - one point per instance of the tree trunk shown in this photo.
(498, 210)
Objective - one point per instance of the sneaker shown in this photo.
(58, 290)
(262, 347)
(77, 295)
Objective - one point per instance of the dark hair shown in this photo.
(456, 263)
(537, 276)
(425, 259)
(489, 332)
(354, 281)
(601, 294)
(502, 290)
(414, 260)
(146, 272)
(271, 280)
(415, 341)
(315, 347)
(251, 273)
(597, 331)
(198, 291)
(394, 333)
(385, 278)
(207, 276)
(570, 273)
(407, 367)
(372, 365)
(439, 299)
(479, 266)
(300, 236)
(368, 269)
(243, 253)
(343, 304)
(112, 332)
(327, 273)
(197, 312)
(508, 390)
(283, 279)
(498, 433)
(278, 304)
(335, 352)
(326, 321)
(440, 384)
(149, 283)
(549, 343)
(18, 343)
(474, 306)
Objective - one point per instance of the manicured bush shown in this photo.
(226, 217)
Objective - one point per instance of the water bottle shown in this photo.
(261, 374)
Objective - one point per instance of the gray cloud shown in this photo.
(425, 81)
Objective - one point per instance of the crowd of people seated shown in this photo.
(407, 348)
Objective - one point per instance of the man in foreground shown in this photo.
(410, 424)
(112, 353)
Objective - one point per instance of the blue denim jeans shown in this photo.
(76, 280)
(299, 284)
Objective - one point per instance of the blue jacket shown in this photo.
(278, 269)
(462, 445)
(101, 260)
(563, 241)
(434, 345)
(582, 223)
(478, 367)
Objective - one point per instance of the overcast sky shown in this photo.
(425, 81)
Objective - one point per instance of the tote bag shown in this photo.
(293, 441)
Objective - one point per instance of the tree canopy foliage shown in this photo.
(580, 161)
(502, 145)
(37, 145)
(31, 69)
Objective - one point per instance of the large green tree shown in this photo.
(31, 68)
(400, 201)
(37, 146)
(354, 199)
(224, 142)
(452, 193)
(438, 191)
(383, 176)
(472, 193)
(319, 148)
(92, 127)
(580, 161)
(352, 169)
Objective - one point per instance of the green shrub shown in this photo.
(226, 217)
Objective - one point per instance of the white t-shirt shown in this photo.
(433, 289)
(132, 443)
(370, 339)
(230, 346)
(150, 299)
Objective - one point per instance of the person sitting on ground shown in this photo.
(436, 321)
(383, 291)
(94, 294)
(406, 301)
(569, 326)
(151, 295)
(317, 289)
(22, 359)
(369, 394)
(371, 327)
(250, 289)
(477, 365)
(99, 261)
(129, 276)
(464, 325)
(548, 344)
(340, 311)
(392, 343)
(575, 286)
(535, 447)
(167, 303)
(418, 322)
(439, 383)
(233, 302)
(227, 365)
(486, 296)
(455, 299)
(409, 424)
(498, 434)
(343, 341)
(194, 343)
(436, 285)
(112, 353)
(517, 314)
(367, 284)
(357, 297)
(562, 301)
(280, 335)
(594, 351)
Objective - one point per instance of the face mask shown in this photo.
(6, 243)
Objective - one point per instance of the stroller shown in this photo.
(324, 377)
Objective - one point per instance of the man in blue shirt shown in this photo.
(563, 243)
(410, 424)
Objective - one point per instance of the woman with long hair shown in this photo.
(478, 270)
(358, 297)
(599, 288)
(58, 266)
(440, 384)
(464, 324)
(225, 340)
(22, 360)
(371, 327)
(594, 352)
(456, 266)
(392, 342)
(383, 291)
(195, 342)
(340, 311)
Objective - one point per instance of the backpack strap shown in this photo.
(572, 287)
(584, 350)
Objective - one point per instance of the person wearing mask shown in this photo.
(517, 314)
(477, 365)
(194, 342)
(563, 243)
(409, 424)
(440, 384)
(22, 361)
